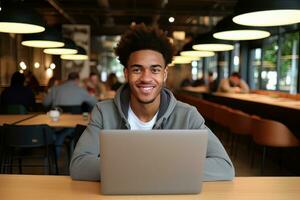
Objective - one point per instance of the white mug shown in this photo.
(54, 115)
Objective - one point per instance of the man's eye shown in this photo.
(136, 70)
(156, 70)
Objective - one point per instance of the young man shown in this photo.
(233, 84)
(144, 103)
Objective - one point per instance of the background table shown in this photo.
(258, 98)
(65, 121)
(15, 187)
(12, 119)
(283, 110)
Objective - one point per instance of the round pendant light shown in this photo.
(18, 18)
(69, 48)
(199, 54)
(267, 12)
(183, 59)
(207, 42)
(226, 29)
(187, 50)
(80, 55)
(50, 38)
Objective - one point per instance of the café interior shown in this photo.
(46, 40)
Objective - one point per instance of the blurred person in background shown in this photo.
(32, 82)
(212, 82)
(69, 94)
(113, 82)
(96, 86)
(17, 93)
(53, 82)
(233, 84)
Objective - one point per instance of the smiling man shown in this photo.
(144, 103)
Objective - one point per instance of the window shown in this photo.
(269, 69)
(211, 65)
(107, 61)
(235, 59)
(197, 69)
(289, 62)
(255, 63)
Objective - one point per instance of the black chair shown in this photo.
(15, 109)
(79, 129)
(19, 140)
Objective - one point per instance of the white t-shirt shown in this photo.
(136, 123)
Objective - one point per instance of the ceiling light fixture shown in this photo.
(267, 12)
(200, 54)
(187, 50)
(80, 55)
(206, 42)
(69, 48)
(50, 38)
(18, 18)
(226, 29)
(183, 59)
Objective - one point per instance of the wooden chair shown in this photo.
(222, 117)
(239, 125)
(270, 133)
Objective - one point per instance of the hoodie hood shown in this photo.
(167, 105)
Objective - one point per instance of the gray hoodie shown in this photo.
(173, 114)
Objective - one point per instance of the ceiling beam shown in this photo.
(156, 17)
(120, 29)
(56, 5)
(144, 12)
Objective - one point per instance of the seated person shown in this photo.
(69, 94)
(113, 82)
(144, 103)
(212, 82)
(233, 84)
(17, 93)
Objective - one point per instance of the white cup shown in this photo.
(54, 115)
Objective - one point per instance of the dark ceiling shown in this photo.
(112, 17)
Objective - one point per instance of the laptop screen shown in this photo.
(152, 161)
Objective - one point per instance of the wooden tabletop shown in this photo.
(12, 119)
(65, 120)
(276, 101)
(16, 187)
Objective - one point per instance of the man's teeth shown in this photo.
(147, 88)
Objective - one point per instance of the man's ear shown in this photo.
(125, 71)
(165, 74)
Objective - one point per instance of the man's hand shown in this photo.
(237, 89)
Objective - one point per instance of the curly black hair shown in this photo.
(140, 37)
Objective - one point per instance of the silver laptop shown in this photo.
(152, 162)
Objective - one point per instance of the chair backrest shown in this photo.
(15, 109)
(240, 122)
(207, 109)
(76, 109)
(27, 136)
(222, 115)
(272, 133)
